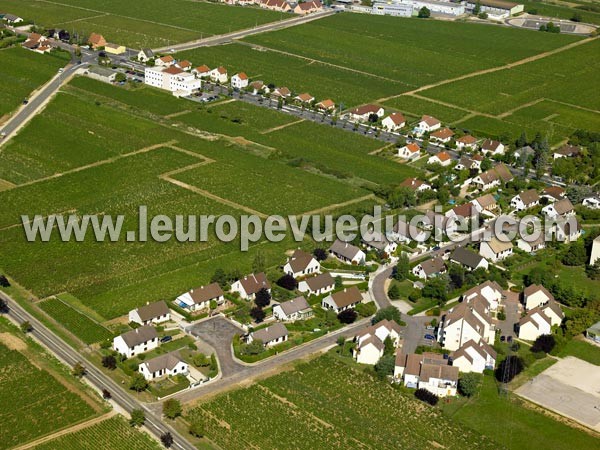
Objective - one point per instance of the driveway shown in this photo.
(218, 332)
(512, 309)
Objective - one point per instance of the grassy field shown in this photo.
(564, 12)
(413, 108)
(150, 26)
(306, 409)
(77, 323)
(582, 350)
(321, 80)
(34, 401)
(554, 95)
(22, 72)
(413, 52)
(111, 434)
(512, 424)
(113, 149)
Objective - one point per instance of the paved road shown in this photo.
(224, 38)
(245, 372)
(94, 375)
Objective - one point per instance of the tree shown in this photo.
(389, 313)
(330, 318)
(120, 77)
(106, 395)
(385, 366)
(257, 314)
(509, 368)
(437, 288)
(428, 397)
(258, 265)
(347, 316)
(262, 298)
(544, 343)
(339, 283)
(402, 269)
(341, 341)
(320, 254)
(137, 418)
(255, 347)
(110, 362)
(576, 17)
(388, 346)
(167, 439)
(287, 282)
(172, 408)
(486, 164)
(394, 292)
(196, 429)
(468, 384)
(4, 281)
(220, 277)
(424, 13)
(575, 255)
(593, 271)
(138, 383)
(477, 8)
(78, 370)
(522, 140)
(26, 327)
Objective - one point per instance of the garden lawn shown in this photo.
(582, 350)
(22, 72)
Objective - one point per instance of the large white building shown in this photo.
(391, 9)
(169, 364)
(426, 371)
(436, 7)
(136, 341)
(172, 79)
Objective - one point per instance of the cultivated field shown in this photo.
(151, 26)
(111, 434)
(77, 323)
(34, 403)
(101, 149)
(21, 72)
(327, 404)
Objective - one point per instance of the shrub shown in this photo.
(257, 314)
(4, 281)
(427, 397)
(509, 368)
(172, 408)
(544, 344)
(262, 298)
(469, 383)
(347, 316)
(389, 313)
(287, 282)
(385, 366)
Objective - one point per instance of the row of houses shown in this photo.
(301, 7)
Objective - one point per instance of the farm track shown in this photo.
(339, 205)
(281, 127)
(492, 69)
(73, 429)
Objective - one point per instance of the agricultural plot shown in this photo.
(414, 52)
(303, 409)
(569, 77)
(343, 84)
(34, 402)
(589, 11)
(150, 26)
(413, 108)
(77, 323)
(111, 434)
(22, 72)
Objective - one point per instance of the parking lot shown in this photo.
(571, 387)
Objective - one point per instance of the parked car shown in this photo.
(509, 339)
(502, 338)
(166, 339)
(431, 337)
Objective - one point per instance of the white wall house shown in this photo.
(525, 200)
(172, 79)
(426, 371)
(347, 252)
(489, 146)
(239, 80)
(427, 124)
(495, 250)
(301, 264)
(136, 341)
(560, 208)
(474, 357)
(169, 364)
(533, 325)
(536, 295)
(219, 75)
(248, 286)
(317, 285)
(150, 313)
(393, 122)
(200, 298)
(295, 309)
(342, 300)
(410, 151)
(270, 336)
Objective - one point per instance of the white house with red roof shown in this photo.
(364, 112)
(427, 124)
(248, 286)
(410, 151)
(443, 135)
(442, 158)
(164, 61)
(466, 142)
(219, 74)
(239, 80)
(202, 71)
(394, 122)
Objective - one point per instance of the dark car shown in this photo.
(25, 101)
(509, 339)
(166, 338)
(430, 337)
(502, 338)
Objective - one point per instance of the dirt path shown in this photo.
(13, 342)
(73, 429)
(517, 108)
(380, 149)
(492, 69)
(339, 205)
(281, 127)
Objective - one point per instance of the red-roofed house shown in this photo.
(364, 112)
(239, 80)
(427, 124)
(394, 122)
(410, 151)
(219, 75)
(442, 158)
(442, 135)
